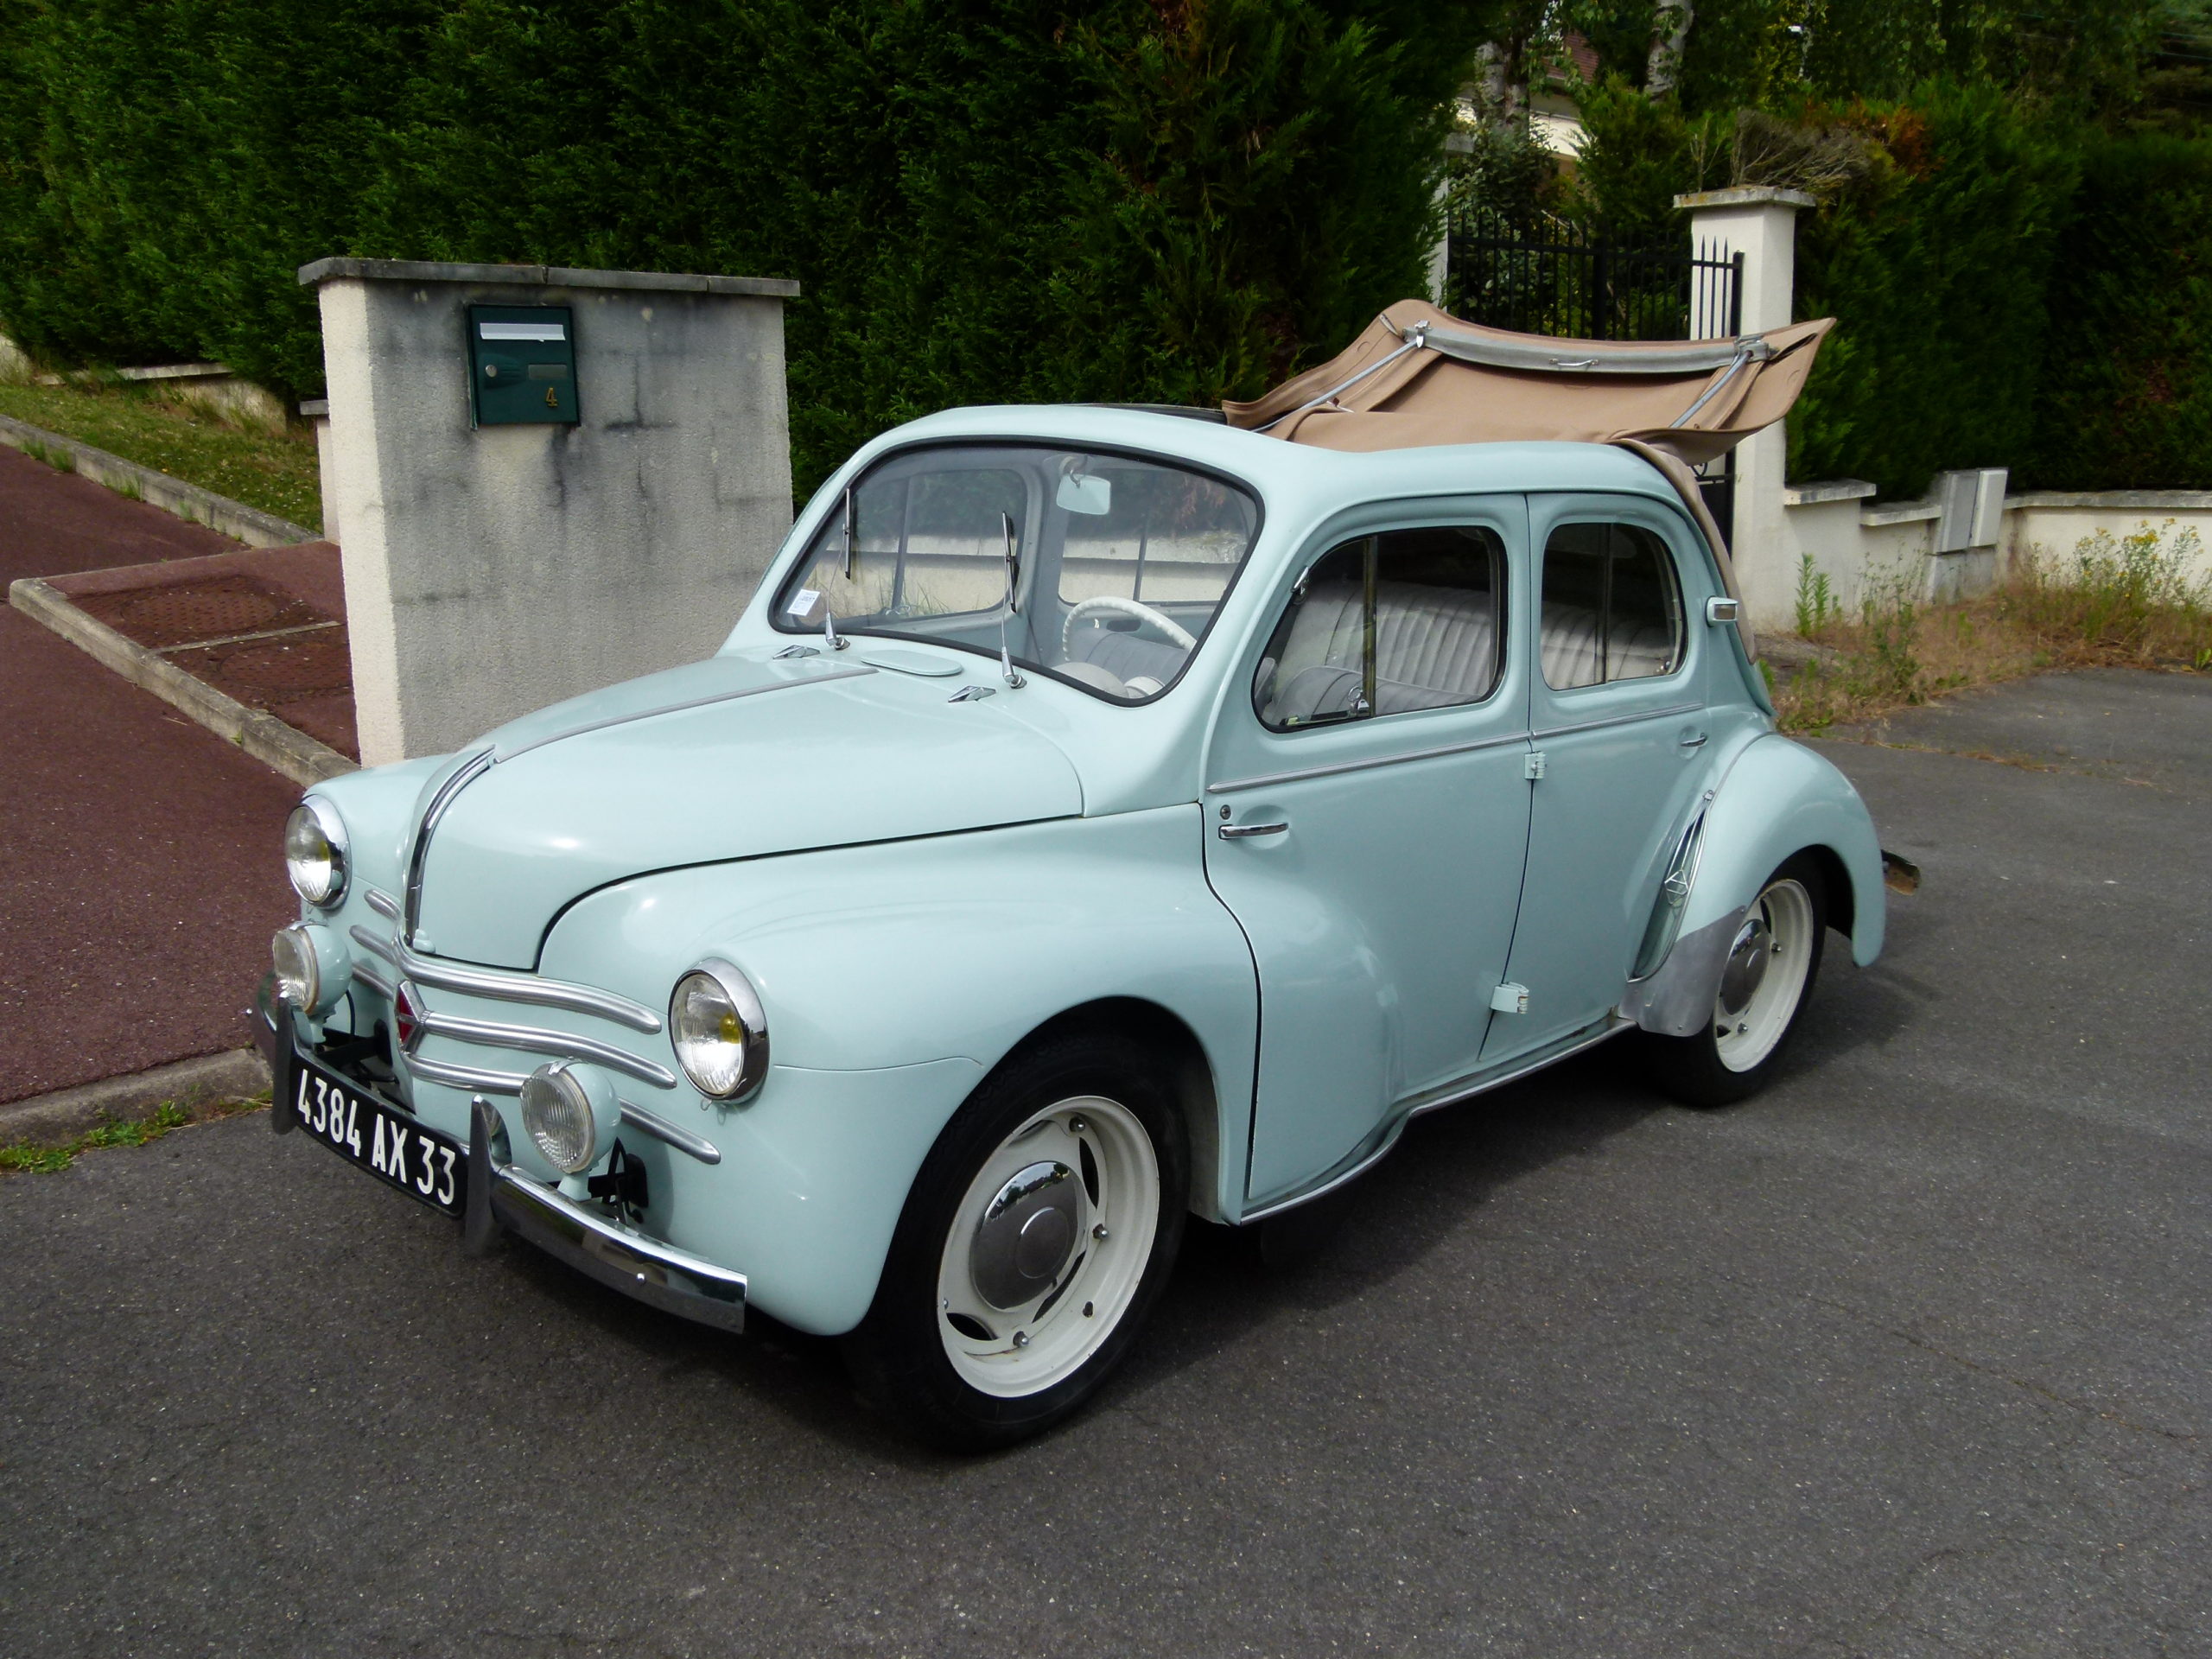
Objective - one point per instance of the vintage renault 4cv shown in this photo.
(1098, 816)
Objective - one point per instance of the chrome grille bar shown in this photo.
(537, 1040)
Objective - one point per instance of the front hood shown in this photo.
(727, 759)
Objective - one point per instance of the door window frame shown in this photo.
(1505, 514)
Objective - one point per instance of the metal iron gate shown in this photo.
(1548, 277)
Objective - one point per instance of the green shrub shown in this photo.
(984, 200)
(2126, 400)
(1935, 268)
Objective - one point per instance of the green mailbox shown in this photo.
(522, 365)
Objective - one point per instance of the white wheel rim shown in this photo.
(1773, 951)
(1011, 1352)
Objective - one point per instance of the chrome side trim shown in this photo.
(1668, 713)
(654, 1273)
(374, 943)
(665, 1132)
(470, 769)
(523, 987)
(1372, 1151)
(465, 1076)
(852, 672)
(535, 1040)
(1274, 777)
(375, 981)
(381, 902)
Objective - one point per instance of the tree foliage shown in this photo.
(984, 200)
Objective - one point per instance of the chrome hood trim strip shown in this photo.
(469, 770)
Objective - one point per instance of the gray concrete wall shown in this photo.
(490, 572)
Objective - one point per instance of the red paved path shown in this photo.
(139, 875)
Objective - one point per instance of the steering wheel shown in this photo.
(1177, 634)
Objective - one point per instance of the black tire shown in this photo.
(1693, 1070)
(899, 1355)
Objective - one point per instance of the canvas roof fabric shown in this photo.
(1416, 376)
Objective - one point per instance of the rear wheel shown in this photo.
(1764, 985)
(1035, 1241)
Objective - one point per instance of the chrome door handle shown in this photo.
(1240, 831)
(1692, 739)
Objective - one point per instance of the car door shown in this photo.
(1616, 713)
(1367, 819)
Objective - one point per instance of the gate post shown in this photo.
(1758, 224)
(544, 480)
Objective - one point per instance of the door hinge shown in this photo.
(1510, 999)
(1534, 767)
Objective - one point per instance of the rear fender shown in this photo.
(1776, 799)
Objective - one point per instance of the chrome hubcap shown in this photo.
(1747, 960)
(1026, 1233)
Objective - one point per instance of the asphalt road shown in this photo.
(1909, 1357)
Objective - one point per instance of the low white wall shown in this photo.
(1861, 546)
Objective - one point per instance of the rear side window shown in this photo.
(1389, 623)
(1611, 608)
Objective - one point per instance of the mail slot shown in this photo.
(522, 365)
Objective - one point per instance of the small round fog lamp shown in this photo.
(299, 978)
(557, 1110)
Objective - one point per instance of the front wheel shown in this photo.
(1039, 1232)
(1764, 985)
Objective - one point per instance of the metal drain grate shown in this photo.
(269, 673)
(214, 609)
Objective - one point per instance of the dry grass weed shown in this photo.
(2127, 601)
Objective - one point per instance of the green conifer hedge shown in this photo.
(2014, 287)
(985, 200)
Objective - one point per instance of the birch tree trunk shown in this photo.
(1664, 71)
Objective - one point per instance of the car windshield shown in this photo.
(1117, 564)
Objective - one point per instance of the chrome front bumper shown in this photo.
(500, 1196)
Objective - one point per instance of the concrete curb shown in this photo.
(219, 512)
(68, 1113)
(266, 738)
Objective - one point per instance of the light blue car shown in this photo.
(1098, 818)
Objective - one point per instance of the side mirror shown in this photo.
(1722, 610)
(1085, 494)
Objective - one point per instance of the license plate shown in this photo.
(422, 1163)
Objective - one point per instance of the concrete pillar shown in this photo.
(1761, 224)
(489, 571)
(316, 412)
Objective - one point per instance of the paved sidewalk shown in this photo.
(139, 876)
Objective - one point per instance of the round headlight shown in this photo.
(721, 1035)
(315, 852)
(299, 977)
(556, 1110)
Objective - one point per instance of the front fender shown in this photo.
(1775, 799)
(893, 977)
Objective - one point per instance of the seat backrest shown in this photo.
(1433, 647)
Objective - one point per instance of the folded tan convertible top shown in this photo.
(1416, 377)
